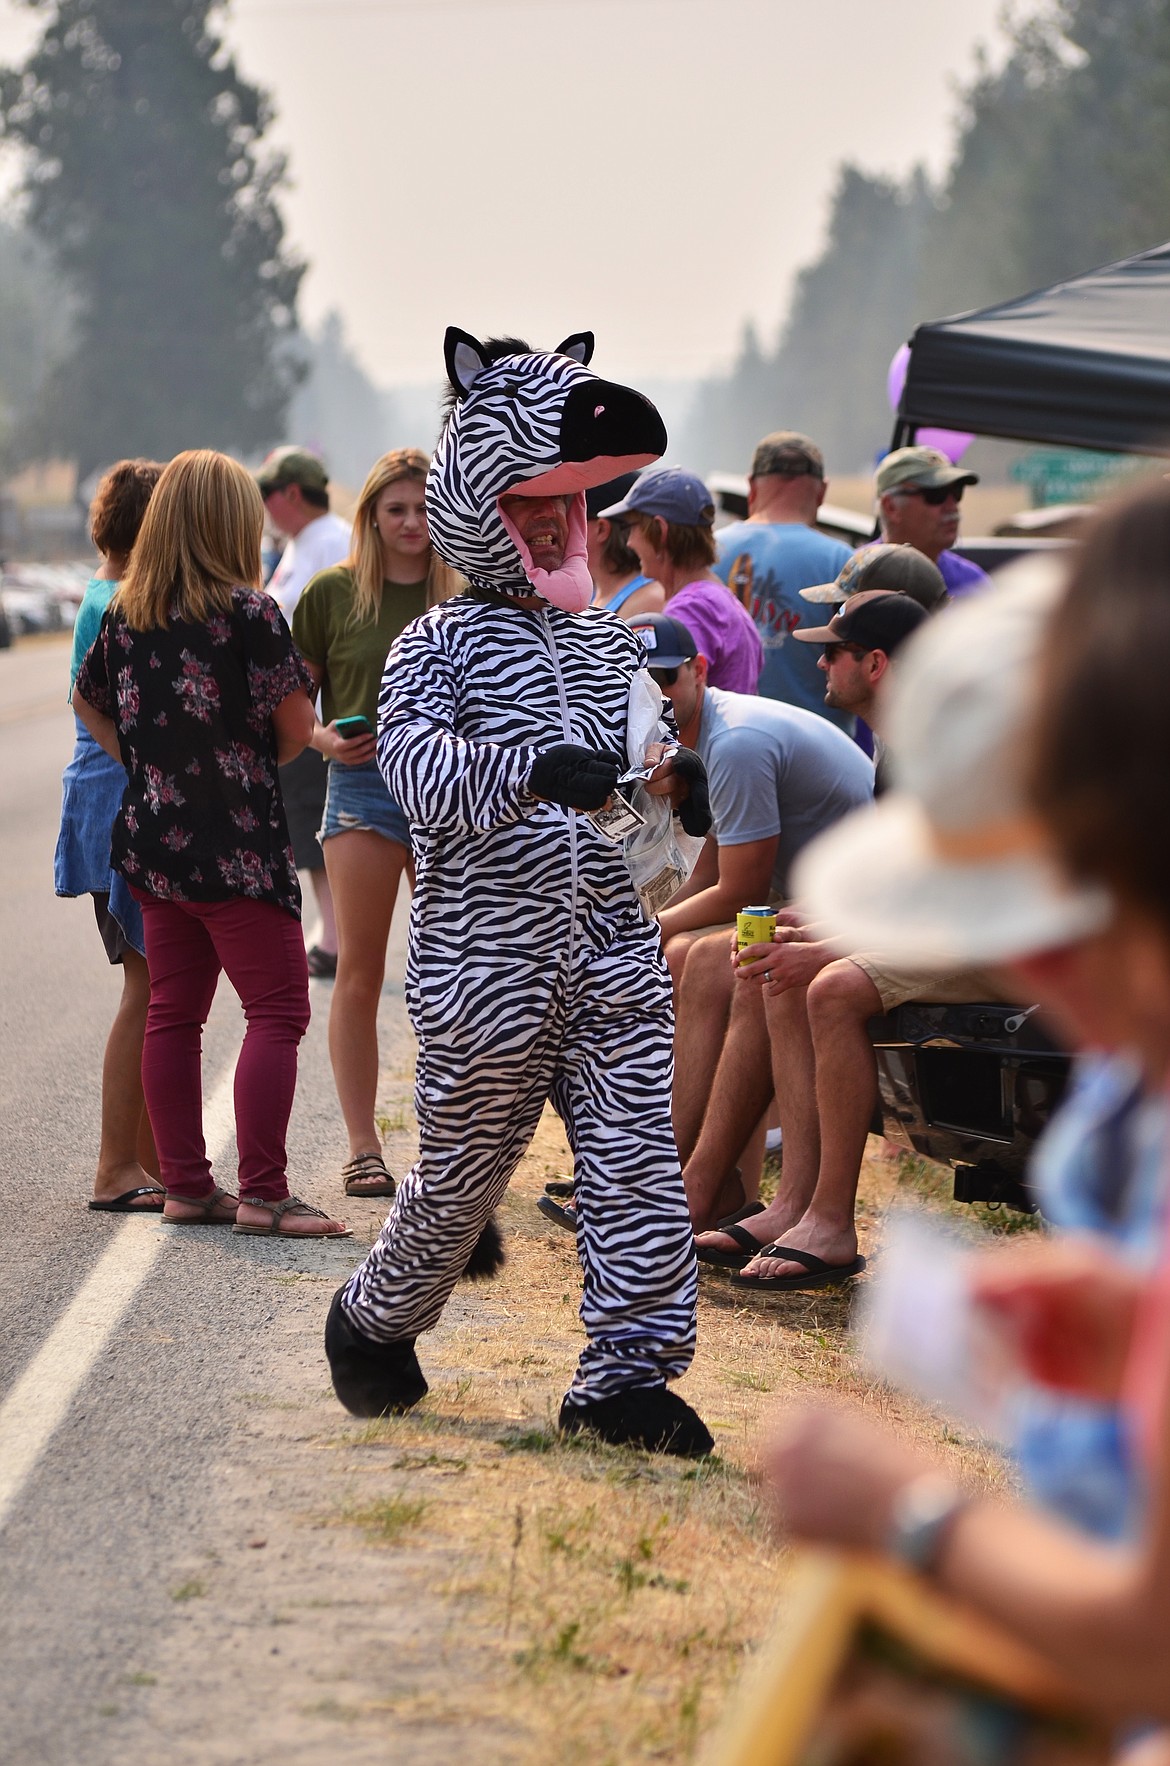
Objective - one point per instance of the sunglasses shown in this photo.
(832, 651)
(663, 677)
(936, 495)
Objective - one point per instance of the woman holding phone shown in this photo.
(344, 625)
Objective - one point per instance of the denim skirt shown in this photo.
(92, 789)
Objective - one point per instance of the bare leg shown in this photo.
(703, 1004)
(782, 1025)
(126, 1156)
(365, 870)
(841, 1000)
(326, 939)
(739, 1094)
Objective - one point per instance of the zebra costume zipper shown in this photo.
(567, 731)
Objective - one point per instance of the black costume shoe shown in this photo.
(370, 1378)
(642, 1416)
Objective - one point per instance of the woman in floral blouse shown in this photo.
(194, 683)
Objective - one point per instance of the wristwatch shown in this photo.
(920, 1521)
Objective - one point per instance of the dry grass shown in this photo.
(615, 1595)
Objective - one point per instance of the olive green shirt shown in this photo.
(351, 655)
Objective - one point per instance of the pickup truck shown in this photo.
(971, 1086)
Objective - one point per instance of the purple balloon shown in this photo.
(951, 442)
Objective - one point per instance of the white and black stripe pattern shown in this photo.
(532, 973)
(507, 432)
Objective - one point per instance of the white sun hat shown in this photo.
(950, 868)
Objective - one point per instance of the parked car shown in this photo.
(41, 597)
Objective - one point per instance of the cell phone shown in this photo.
(349, 727)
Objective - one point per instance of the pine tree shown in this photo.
(148, 181)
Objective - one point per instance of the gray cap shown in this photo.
(903, 570)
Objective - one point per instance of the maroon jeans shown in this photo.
(260, 949)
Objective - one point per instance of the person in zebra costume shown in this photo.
(533, 972)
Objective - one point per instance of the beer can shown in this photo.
(754, 926)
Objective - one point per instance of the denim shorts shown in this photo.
(356, 800)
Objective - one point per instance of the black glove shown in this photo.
(578, 778)
(694, 812)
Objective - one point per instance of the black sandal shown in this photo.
(367, 1165)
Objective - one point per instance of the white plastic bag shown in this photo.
(660, 856)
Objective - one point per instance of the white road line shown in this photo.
(41, 1397)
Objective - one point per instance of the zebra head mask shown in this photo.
(529, 423)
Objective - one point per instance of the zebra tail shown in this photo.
(487, 1255)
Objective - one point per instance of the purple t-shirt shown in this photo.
(724, 632)
(960, 575)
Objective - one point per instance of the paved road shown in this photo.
(123, 1493)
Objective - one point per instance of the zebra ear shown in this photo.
(464, 357)
(579, 346)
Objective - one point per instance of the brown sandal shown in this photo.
(206, 1206)
(367, 1165)
(290, 1205)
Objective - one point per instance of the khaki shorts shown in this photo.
(958, 988)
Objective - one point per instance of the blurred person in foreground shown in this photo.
(294, 484)
(767, 560)
(669, 518)
(1084, 1320)
(918, 493)
(344, 624)
(195, 685)
(91, 797)
(620, 585)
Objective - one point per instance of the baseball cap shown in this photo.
(670, 492)
(668, 641)
(787, 454)
(877, 620)
(928, 467)
(598, 495)
(902, 569)
(950, 869)
(292, 465)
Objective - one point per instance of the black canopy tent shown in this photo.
(1083, 364)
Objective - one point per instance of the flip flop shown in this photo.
(717, 1258)
(553, 1210)
(820, 1274)
(123, 1204)
(560, 1186)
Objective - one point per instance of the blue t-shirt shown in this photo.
(775, 769)
(766, 564)
(99, 592)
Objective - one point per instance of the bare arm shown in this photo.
(325, 738)
(293, 721)
(1098, 1613)
(103, 729)
(744, 875)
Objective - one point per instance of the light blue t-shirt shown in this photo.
(99, 592)
(775, 769)
(765, 564)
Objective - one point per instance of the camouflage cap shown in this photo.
(925, 467)
(901, 569)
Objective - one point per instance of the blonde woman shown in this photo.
(193, 682)
(344, 625)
